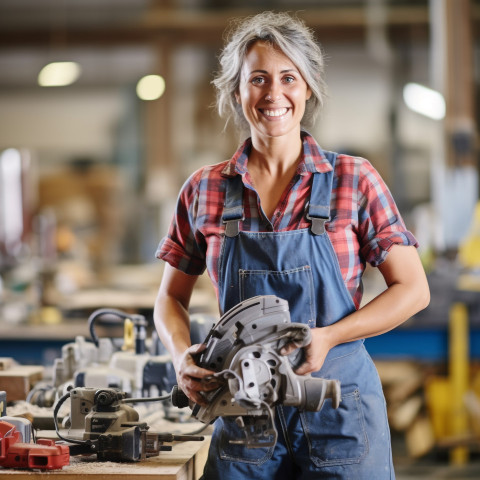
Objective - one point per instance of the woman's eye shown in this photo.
(289, 79)
(258, 80)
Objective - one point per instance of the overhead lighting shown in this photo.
(150, 87)
(424, 100)
(59, 74)
(11, 214)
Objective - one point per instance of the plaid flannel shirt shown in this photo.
(365, 222)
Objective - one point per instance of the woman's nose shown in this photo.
(273, 94)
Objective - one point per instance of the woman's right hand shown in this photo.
(192, 379)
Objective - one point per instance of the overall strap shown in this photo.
(319, 206)
(233, 207)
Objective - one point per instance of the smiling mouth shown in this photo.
(278, 112)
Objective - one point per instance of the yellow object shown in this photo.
(437, 391)
(50, 315)
(128, 336)
(469, 250)
(459, 376)
(446, 396)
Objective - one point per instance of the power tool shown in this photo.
(243, 349)
(43, 455)
(102, 423)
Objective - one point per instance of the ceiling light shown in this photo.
(11, 214)
(59, 74)
(424, 100)
(150, 87)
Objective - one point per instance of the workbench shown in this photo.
(184, 462)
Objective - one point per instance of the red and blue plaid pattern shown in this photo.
(365, 221)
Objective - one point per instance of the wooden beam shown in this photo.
(195, 26)
(460, 102)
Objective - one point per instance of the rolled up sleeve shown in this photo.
(380, 224)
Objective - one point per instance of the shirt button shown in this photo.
(269, 228)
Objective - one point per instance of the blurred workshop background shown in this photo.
(106, 108)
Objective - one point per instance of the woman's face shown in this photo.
(272, 92)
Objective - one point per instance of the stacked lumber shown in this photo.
(420, 407)
(403, 384)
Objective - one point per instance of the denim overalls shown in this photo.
(352, 442)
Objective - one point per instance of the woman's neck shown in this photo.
(272, 164)
(275, 156)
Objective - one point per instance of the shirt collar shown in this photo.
(314, 160)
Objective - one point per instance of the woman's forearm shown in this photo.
(171, 317)
(172, 324)
(407, 293)
(385, 312)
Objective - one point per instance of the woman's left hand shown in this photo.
(315, 352)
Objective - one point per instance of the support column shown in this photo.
(454, 175)
(460, 115)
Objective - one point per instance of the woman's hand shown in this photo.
(407, 293)
(314, 353)
(192, 379)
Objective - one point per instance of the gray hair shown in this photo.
(293, 38)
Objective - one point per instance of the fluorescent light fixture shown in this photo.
(59, 74)
(11, 197)
(424, 100)
(150, 87)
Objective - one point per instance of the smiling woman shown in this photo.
(285, 35)
(284, 217)
(272, 92)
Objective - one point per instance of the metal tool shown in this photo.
(243, 348)
(102, 423)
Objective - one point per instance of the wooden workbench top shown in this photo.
(184, 462)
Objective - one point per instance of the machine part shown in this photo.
(43, 455)
(110, 376)
(158, 372)
(3, 403)
(81, 404)
(103, 423)
(42, 395)
(22, 425)
(101, 364)
(76, 356)
(244, 351)
(128, 336)
(113, 315)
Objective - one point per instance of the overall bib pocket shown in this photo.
(294, 285)
(337, 437)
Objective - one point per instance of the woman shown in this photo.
(284, 217)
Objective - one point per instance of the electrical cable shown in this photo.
(106, 311)
(168, 396)
(162, 398)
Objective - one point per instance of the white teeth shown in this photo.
(275, 113)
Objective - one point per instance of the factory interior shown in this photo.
(90, 168)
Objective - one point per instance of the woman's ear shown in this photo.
(237, 98)
(309, 93)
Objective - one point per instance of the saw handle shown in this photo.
(178, 398)
(296, 358)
